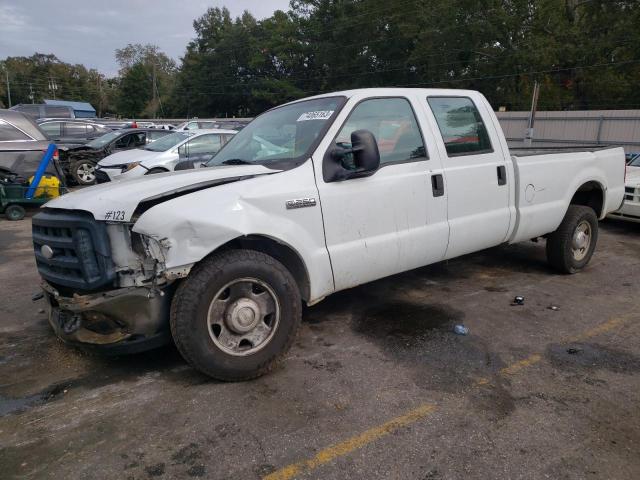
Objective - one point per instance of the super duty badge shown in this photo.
(301, 203)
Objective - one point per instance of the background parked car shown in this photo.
(163, 155)
(71, 131)
(114, 124)
(79, 162)
(22, 144)
(209, 124)
(41, 110)
(630, 209)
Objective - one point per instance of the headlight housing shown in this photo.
(129, 166)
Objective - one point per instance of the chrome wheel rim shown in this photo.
(243, 316)
(86, 172)
(581, 240)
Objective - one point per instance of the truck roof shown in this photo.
(386, 91)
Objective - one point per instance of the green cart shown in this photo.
(14, 201)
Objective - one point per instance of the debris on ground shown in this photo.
(518, 300)
(460, 330)
(553, 307)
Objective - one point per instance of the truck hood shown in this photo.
(117, 201)
(633, 176)
(128, 156)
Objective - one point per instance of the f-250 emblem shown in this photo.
(301, 203)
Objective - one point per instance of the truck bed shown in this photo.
(547, 180)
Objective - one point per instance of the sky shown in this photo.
(89, 31)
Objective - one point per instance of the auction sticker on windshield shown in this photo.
(318, 115)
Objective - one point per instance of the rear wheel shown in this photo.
(571, 246)
(83, 172)
(236, 315)
(14, 212)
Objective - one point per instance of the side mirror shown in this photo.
(366, 158)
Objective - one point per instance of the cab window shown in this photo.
(461, 126)
(393, 124)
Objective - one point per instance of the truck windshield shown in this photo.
(285, 133)
(168, 142)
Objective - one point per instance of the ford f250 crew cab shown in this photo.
(312, 197)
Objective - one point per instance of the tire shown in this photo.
(83, 172)
(221, 298)
(14, 213)
(566, 250)
(156, 170)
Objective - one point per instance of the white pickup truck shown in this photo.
(312, 197)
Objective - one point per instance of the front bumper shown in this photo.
(101, 176)
(108, 174)
(126, 320)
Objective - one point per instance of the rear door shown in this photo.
(393, 220)
(475, 173)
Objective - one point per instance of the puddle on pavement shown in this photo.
(165, 361)
(592, 356)
(420, 338)
(405, 321)
(10, 405)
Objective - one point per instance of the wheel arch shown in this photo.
(282, 252)
(590, 194)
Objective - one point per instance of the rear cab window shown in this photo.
(461, 126)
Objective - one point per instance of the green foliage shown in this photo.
(583, 52)
(32, 79)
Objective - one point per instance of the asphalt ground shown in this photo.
(377, 384)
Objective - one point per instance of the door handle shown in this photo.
(502, 175)
(437, 185)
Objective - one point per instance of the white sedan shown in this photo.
(630, 209)
(163, 154)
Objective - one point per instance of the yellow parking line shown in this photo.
(520, 365)
(354, 443)
(603, 328)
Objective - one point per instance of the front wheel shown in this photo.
(236, 315)
(571, 246)
(83, 172)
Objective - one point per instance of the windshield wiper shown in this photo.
(236, 161)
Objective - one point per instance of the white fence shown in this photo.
(566, 129)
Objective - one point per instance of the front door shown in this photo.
(390, 221)
(475, 176)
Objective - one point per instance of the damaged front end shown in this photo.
(105, 285)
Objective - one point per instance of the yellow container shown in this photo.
(49, 187)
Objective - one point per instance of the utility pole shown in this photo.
(99, 96)
(532, 115)
(153, 95)
(6, 72)
(53, 86)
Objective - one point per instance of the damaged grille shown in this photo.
(72, 250)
